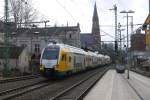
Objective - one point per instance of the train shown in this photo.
(59, 60)
(120, 68)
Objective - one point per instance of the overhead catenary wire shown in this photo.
(121, 25)
(66, 11)
(107, 34)
(76, 5)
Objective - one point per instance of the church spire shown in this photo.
(95, 26)
(95, 15)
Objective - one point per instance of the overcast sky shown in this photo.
(61, 12)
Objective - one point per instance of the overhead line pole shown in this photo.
(115, 10)
(6, 64)
(116, 35)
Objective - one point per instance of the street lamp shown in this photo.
(127, 12)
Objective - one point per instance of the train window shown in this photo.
(63, 57)
(74, 59)
(69, 59)
(70, 36)
(37, 48)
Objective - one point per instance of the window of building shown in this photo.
(37, 48)
(23, 45)
(70, 36)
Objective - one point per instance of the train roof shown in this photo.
(77, 50)
(70, 48)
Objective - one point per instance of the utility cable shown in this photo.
(66, 10)
(107, 34)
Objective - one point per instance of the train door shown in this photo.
(63, 62)
(74, 63)
(70, 61)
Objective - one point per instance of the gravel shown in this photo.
(11, 85)
(51, 90)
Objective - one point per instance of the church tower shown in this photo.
(96, 30)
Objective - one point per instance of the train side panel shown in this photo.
(69, 60)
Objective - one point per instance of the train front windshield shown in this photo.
(51, 53)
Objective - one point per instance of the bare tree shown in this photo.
(22, 12)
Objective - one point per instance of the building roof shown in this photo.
(13, 52)
(44, 31)
(10, 26)
(87, 38)
(34, 31)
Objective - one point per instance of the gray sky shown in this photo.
(61, 12)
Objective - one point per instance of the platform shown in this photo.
(115, 86)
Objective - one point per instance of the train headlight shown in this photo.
(41, 68)
(56, 66)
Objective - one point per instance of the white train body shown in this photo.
(62, 59)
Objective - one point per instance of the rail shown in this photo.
(95, 78)
(12, 93)
(18, 78)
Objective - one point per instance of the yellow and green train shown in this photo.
(60, 60)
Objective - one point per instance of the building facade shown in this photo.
(18, 59)
(138, 42)
(35, 39)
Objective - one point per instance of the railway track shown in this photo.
(11, 93)
(80, 89)
(18, 78)
(142, 73)
(51, 89)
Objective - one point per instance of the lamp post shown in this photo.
(127, 12)
(131, 24)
